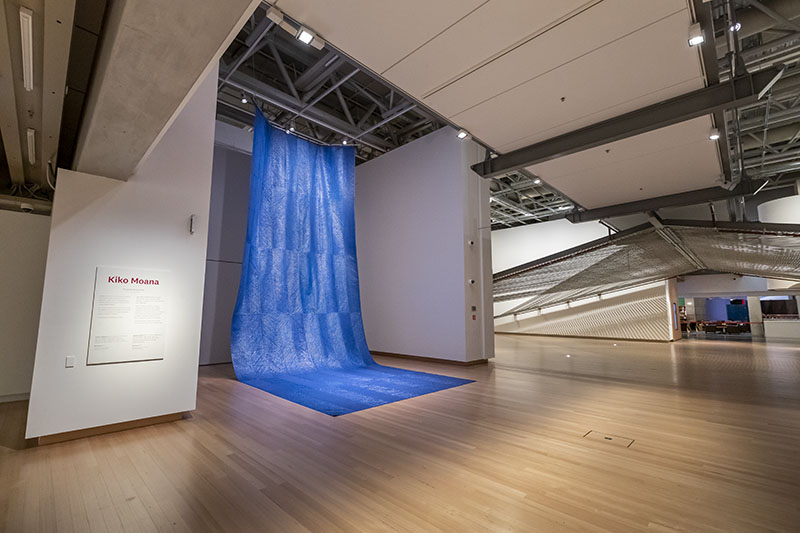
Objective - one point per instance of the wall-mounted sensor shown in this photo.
(26, 208)
(472, 282)
(471, 242)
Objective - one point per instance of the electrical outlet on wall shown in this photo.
(69, 362)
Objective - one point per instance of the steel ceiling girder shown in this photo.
(742, 90)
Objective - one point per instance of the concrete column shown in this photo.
(754, 311)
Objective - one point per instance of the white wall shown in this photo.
(516, 246)
(720, 285)
(230, 194)
(416, 209)
(23, 241)
(781, 211)
(637, 315)
(141, 223)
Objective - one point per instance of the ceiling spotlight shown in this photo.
(304, 35)
(537, 181)
(713, 134)
(26, 32)
(696, 36)
(244, 98)
(462, 134)
(344, 141)
(736, 27)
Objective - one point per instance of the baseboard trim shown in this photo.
(110, 428)
(580, 337)
(430, 359)
(15, 397)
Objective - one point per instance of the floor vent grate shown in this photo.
(616, 440)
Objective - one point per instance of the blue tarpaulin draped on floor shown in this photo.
(297, 330)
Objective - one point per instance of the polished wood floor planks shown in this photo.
(715, 428)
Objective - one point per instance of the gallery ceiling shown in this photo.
(517, 73)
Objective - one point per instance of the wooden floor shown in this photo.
(716, 430)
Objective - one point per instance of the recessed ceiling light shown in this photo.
(462, 134)
(696, 36)
(713, 134)
(304, 36)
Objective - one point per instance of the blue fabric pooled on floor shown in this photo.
(297, 331)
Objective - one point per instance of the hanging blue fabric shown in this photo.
(297, 330)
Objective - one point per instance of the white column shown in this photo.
(754, 311)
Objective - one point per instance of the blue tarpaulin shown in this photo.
(297, 331)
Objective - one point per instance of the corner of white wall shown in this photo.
(22, 263)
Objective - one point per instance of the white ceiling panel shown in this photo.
(642, 68)
(585, 31)
(494, 29)
(674, 159)
(378, 33)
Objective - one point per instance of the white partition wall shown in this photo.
(637, 314)
(230, 195)
(143, 223)
(23, 238)
(417, 210)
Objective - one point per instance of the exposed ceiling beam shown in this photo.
(708, 54)
(319, 71)
(9, 121)
(699, 196)
(739, 91)
(293, 105)
(252, 44)
(670, 237)
(58, 21)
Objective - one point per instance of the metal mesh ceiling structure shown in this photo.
(647, 254)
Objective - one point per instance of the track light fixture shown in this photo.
(735, 27)
(301, 33)
(696, 36)
(244, 98)
(713, 134)
(537, 181)
(462, 134)
(26, 32)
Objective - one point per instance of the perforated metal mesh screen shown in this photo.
(643, 256)
(770, 255)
